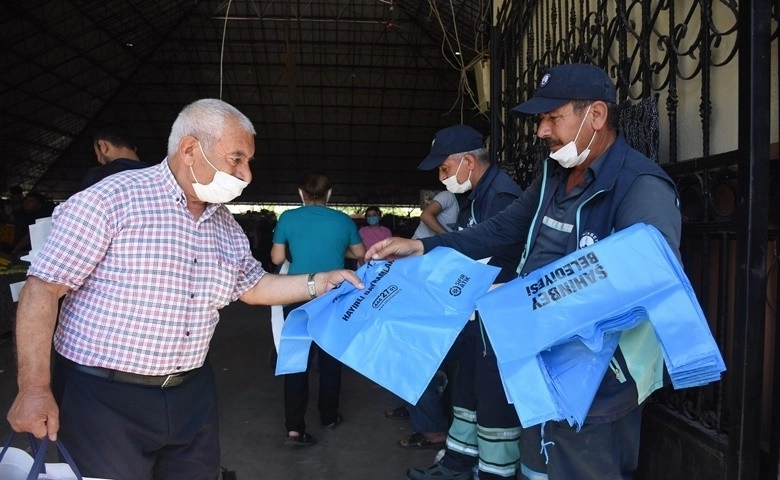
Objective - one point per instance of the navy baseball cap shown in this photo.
(454, 139)
(561, 84)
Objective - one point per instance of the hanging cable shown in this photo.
(222, 52)
(464, 88)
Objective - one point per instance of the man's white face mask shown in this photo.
(567, 155)
(222, 189)
(452, 182)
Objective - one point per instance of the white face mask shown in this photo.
(222, 189)
(567, 155)
(452, 182)
(303, 201)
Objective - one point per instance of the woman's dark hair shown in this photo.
(315, 186)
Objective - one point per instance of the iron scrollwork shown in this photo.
(648, 47)
(654, 49)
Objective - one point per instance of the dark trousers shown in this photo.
(599, 451)
(296, 390)
(127, 432)
(478, 388)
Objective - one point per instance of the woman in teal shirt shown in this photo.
(314, 238)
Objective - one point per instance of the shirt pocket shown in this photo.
(222, 283)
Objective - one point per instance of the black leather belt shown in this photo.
(157, 381)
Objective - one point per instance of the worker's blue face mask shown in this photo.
(372, 220)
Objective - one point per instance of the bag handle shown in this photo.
(33, 444)
(5, 447)
(39, 465)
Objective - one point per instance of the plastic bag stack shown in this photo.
(555, 330)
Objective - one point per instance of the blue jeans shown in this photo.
(428, 415)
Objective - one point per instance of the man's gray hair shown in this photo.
(481, 154)
(205, 120)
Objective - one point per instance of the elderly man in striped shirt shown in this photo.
(144, 260)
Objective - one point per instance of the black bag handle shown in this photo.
(33, 444)
(38, 463)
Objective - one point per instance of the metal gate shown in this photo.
(655, 49)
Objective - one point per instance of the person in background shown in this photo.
(13, 205)
(145, 259)
(34, 206)
(313, 238)
(264, 231)
(439, 216)
(115, 150)
(430, 417)
(6, 228)
(373, 231)
(592, 185)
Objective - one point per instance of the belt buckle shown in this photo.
(169, 378)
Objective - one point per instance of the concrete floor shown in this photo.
(365, 446)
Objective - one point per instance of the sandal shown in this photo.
(301, 440)
(417, 440)
(334, 425)
(400, 413)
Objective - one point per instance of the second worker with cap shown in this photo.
(485, 428)
(593, 185)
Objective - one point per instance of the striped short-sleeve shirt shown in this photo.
(146, 279)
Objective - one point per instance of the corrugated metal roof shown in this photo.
(354, 88)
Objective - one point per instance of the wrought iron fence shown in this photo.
(648, 47)
(652, 49)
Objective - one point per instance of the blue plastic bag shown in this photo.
(611, 286)
(398, 329)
